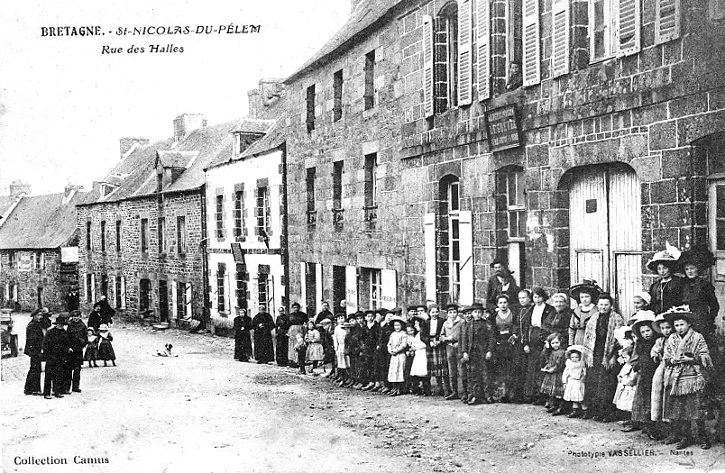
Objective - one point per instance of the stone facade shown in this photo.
(36, 279)
(641, 124)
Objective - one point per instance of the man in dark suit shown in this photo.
(56, 348)
(78, 339)
(34, 349)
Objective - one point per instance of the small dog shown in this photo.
(167, 351)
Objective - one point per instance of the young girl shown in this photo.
(660, 429)
(574, 379)
(301, 350)
(341, 355)
(419, 368)
(645, 366)
(627, 382)
(552, 386)
(315, 350)
(397, 346)
(91, 354)
(410, 386)
(105, 348)
(686, 357)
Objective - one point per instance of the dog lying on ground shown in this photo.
(166, 353)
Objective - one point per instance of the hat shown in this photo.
(397, 318)
(668, 256)
(61, 319)
(475, 306)
(640, 318)
(103, 328)
(645, 296)
(657, 321)
(452, 306)
(411, 307)
(620, 333)
(295, 304)
(678, 313)
(577, 348)
(698, 255)
(588, 286)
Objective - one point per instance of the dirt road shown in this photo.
(204, 412)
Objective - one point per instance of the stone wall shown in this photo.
(54, 278)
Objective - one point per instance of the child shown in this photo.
(342, 358)
(411, 386)
(315, 350)
(397, 346)
(105, 348)
(301, 350)
(574, 379)
(645, 366)
(419, 367)
(627, 382)
(660, 429)
(686, 357)
(91, 354)
(551, 385)
(477, 347)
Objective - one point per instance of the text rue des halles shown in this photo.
(152, 48)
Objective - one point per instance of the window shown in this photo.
(118, 235)
(11, 259)
(263, 210)
(263, 289)
(310, 180)
(337, 212)
(310, 104)
(220, 217)
(241, 289)
(513, 187)
(514, 44)
(370, 80)
(103, 236)
(238, 214)
(89, 287)
(144, 301)
(376, 289)
(144, 235)
(104, 285)
(614, 27)
(181, 234)
(162, 232)
(39, 260)
(371, 186)
(88, 236)
(120, 292)
(601, 31)
(337, 96)
(220, 279)
(445, 58)
(454, 206)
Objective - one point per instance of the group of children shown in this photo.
(99, 347)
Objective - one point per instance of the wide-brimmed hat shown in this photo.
(587, 286)
(103, 328)
(397, 318)
(61, 319)
(620, 333)
(645, 296)
(697, 255)
(657, 321)
(576, 348)
(681, 312)
(669, 257)
(452, 306)
(475, 306)
(640, 318)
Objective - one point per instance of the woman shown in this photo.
(506, 325)
(584, 294)
(242, 336)
(600, 358)
(532, 338)
(699, 294)
(437, 352)
(520, 356)
(263, 325)
(281, 325)
(297, 322)
(666, 292)
(560, 319)
(382, 357)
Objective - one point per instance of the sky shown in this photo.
(64, 104)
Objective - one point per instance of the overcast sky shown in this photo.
(64, 105)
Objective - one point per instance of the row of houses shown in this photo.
(572, 138)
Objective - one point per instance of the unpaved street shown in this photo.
(204, 412)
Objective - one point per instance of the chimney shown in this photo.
(129, 143)
(255, 104)
(70, 191)
(263, 101)
(186, 123)
(19, 189)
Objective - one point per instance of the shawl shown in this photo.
(590, 338)
(657, 349)
(686, 378)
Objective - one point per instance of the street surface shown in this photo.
(204, 412)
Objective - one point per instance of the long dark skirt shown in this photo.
(601, 386)
(242, 346)
(437, 363)
(534, 362)
(382, 364)
(282, 347)
(263, 348)
(506, 376)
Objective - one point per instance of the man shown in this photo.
(78, 339)
(263, 325)
(34, 349)
(464, 369)
(502, 282)
(477, 346)
(282, 325)
(56, 348)
(324, 313)
(371, 329)
(94, 318)
(411, 311)
(72, 299)
(451, 334)
(106, 310)
(45, 321)
(242, 336)
(422, 312)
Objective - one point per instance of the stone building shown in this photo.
(573, 138)
(39, 248)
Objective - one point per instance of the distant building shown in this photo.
(38, 247)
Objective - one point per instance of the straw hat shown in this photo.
(103, 328)
(640, 318)
(669, 257)
(620, 333)
(679, 313)
(657, 321)
(588, 286)
(574, 348)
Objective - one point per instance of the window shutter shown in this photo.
(174, 300)
(667, 20)
(187, 300)
(389, 288)
(93, 288)
(466, 235)
(318, 283)
(351, 289)
(532, 52)
(464, 52)
(303, 286)
(628, 27)
(560, 38)
(429, 239)
(483, 34)
(123, 292)
(428, 66)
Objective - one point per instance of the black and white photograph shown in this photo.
(342, 236)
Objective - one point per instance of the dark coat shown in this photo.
(370, 337)
(478, 338)
(34, 338)
(242, 337)
(56, 346)
(263, 325)
(669, 295)
(325, 314)
(298, 318)
(699, 294)
(557, 322)
(107, 311)
(535, 336)
(94, 319)
(495, 289)
(78, 335)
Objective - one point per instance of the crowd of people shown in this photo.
(658, 371)
(64, 344)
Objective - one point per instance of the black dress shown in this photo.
(242, 338)
(666, 294)
(263, 348)
(282, 325)
(601, 383)
(645, 366)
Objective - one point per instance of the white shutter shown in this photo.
(351, 289)
(428, 66)
(429, 238)
(318, 284)
(112, 298)
(628, 27)
(667, 20)
(303, 286)
(532, 54)
(466, 242)
(15, 293)
(42, 260)
(464, 52)
(483, 35)
(187, 300)
(174, 300)
(93, 288)
(560, 38)
(7, 291)
(123, 292)
(389, 288)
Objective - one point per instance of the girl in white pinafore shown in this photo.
(397, 346)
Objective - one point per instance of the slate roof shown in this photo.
(274, 138)
(253, 125)
(41, 222)
(365, 15)
(6, 203)
(175, 159)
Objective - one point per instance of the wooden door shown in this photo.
(716, 214)
(588, 217)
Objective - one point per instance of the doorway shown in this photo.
(163, 300)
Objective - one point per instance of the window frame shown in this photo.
(609, 35)
(337, 91)
(454, 240)
(181, 234)
(144, 235)
(369, 77)
(310, 99)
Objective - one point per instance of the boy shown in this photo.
(478, 345)
(451, 334)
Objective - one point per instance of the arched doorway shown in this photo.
(605, 227)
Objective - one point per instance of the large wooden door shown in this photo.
(606, 231)
(716, 214)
